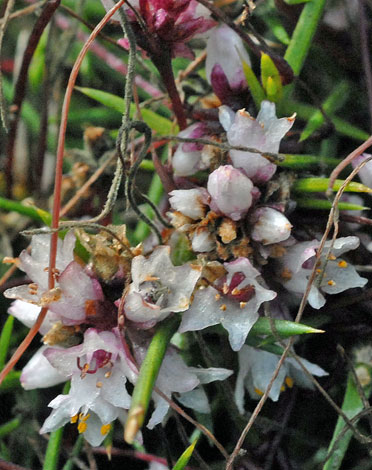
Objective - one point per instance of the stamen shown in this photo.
(332, 257)
(105, 429)
(282, 388)
(225, 288)
(217, 296)
(258, 391)
(99, 384)
(74, 419)
(242, 304)
(331, 283)
(289, 382)
(108, 374)
(82, 427)
(223, 307)
(342, 264)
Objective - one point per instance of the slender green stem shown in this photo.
(53, 450)
(147, 377)
(9, 427)
(69, 465)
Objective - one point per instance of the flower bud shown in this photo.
(271, 226)
(231, 192)
(190, 202)
(365, 173)
(225, 52)
(188, 158)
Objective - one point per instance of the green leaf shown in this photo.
(323, 204)
(147, 376)
(9, 427)
(295, 161)
(5, 336)
(53, 450)
(335, 101)
(30, 211)
(351, 406)
(11, 382)
(278, 30)
(270, 79)
(255, 88)
(185, 457)
(305, 111)
(318, 185)
(303, 34)
(284, 328)
(156, 122)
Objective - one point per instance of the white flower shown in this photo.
(225, 53)
(191, 202)
(39, 373)
(98, 369)
(231, 192)
(189, 157)
(263, 133)
(234, 303)
(158, 287)
(28, 313)
(296, 265)
(256, 368)
(176, 377)
(365, 173)
(73, 286)
(271, 226)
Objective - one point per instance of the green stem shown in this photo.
(147, 377)
(52, 452)
(9, 427)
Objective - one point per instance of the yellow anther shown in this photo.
(342, 264)
(225, 288)
(289, 382)
(99, 384)
(258, 391)
(331, 283)
(74, 419)
(105, 429)
(82, 427)
(318, 271)
(108, 374)
(282, 388)
(236, 291)
(83, 417)
(242, 304)
(223, 307)
(217, 296)
(332, 257)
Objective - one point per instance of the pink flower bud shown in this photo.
(231, 192)
(226, 50)
(271, 226)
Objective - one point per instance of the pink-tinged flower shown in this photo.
(365, 173)
(74, 287)
(233, 302)
(263, 133)
(231, 192)
(191, 202)
(158, 287)
(176, 377)
(296, 265)
(225, 53)
(28, 313)
(98, 369)
(256, 368)
(191, 157)
(270, 226)
(39, 373)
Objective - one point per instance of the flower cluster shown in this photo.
(246, 254)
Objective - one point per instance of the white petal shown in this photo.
(39, 373)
